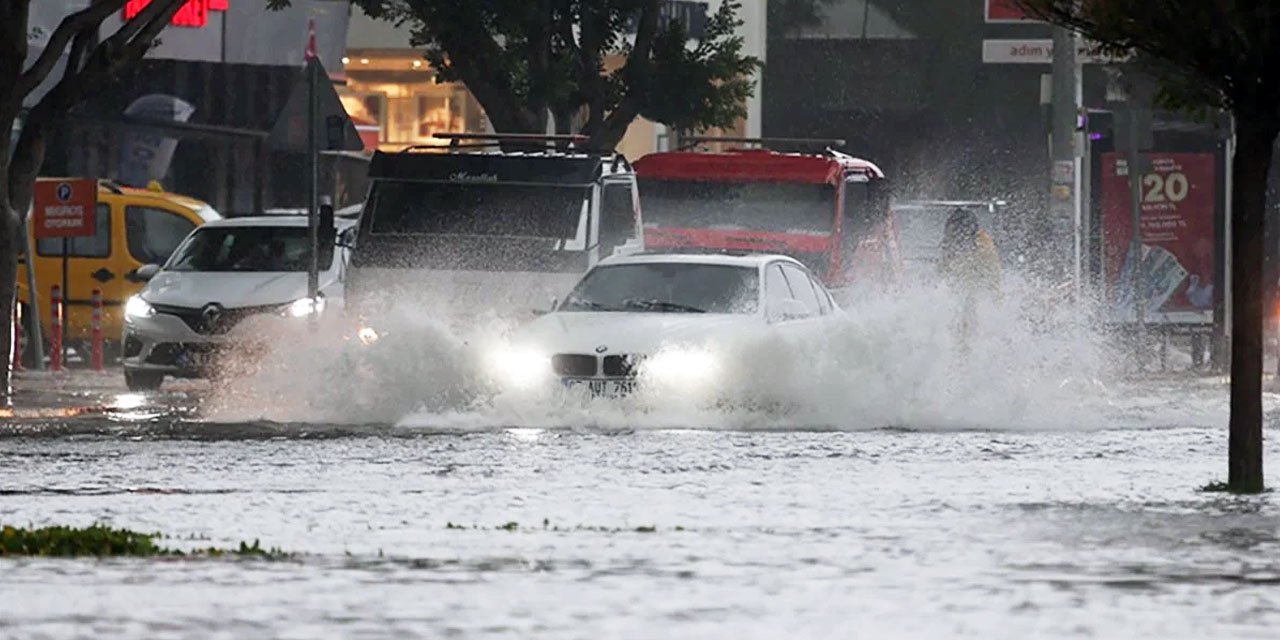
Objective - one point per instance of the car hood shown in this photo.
(625, 332)
(232, 290)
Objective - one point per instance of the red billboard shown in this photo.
(1175, 266)
(1006, 11)
(65, 208)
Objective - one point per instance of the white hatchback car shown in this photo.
(225, 273)
(650, 317)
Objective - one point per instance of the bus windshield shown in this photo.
(757, 206)
(478, 209)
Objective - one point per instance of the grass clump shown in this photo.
(71, 542)
(101, 541)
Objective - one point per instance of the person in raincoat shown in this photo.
(969, 267)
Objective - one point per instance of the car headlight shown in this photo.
(136, 307)
(305, 307)
(520, 368)
(681, 367)
(367, 336)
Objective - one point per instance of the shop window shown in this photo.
(850, 20)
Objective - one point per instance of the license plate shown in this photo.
(195, 359)
(602, 388)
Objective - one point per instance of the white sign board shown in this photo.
(1034, 51)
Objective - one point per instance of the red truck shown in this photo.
(827, 209)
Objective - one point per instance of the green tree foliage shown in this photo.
(1209, 55)
(526, 59)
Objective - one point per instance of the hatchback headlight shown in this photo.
(136, 307)
(305, 307)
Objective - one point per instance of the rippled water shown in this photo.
(881, 533)
(1024, 489)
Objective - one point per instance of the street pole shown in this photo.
(313, 173)
(1063, 209)
(1222, 348)
(1134, 161)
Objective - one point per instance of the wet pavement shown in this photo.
(406, 530)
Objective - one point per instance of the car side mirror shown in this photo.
(144, 273)
(550, 308)
(789, 309)
(328, 230)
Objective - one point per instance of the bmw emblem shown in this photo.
(602, 348)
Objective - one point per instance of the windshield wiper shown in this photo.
(660, 305)
(587, 304)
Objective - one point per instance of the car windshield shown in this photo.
(666, 288)
(246, 249)
(757, 206)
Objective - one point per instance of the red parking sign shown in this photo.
(65, 208)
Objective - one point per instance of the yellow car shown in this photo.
(135, 227)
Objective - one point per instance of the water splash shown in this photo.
(894, 361)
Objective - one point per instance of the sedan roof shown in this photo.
(726, 259)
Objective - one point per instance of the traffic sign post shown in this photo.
(63, 209)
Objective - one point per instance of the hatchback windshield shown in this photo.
(666, 287)
(246, 249)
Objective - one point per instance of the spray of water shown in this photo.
(894, 361)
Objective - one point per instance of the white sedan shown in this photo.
(654, 319)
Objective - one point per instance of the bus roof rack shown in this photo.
(693, 141)
(490, 139)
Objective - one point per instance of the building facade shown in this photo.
(392, 90)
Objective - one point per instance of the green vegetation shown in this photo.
(102, 541)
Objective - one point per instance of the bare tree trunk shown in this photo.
(1257, 138)
(9, 247)
(9, 244)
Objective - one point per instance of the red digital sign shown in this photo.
(1006, 11)
(195, 13)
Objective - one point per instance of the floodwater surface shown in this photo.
(1015, 487)
(436, 531)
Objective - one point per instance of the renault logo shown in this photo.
(211, 313)
(602, 349)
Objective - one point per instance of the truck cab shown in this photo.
(476, 229)
(826, 209)
(134, 227)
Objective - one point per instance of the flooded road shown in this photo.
(433, 531)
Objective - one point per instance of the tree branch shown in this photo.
(87, 19)
(126, 46)
(13, 40)
(635, 74)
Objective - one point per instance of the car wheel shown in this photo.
(143, 380)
